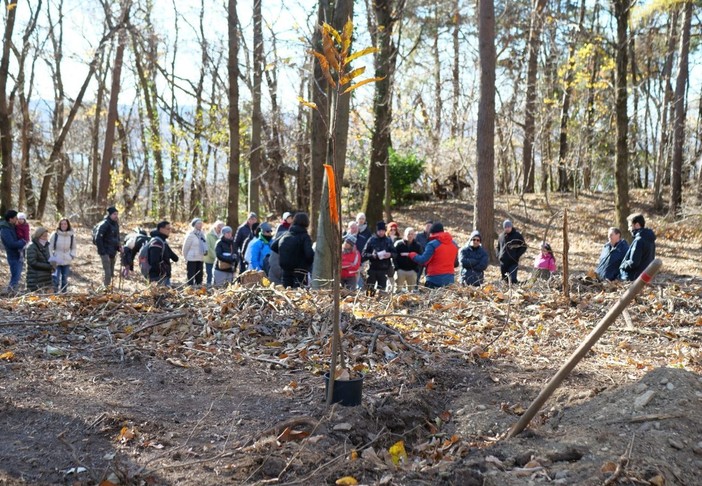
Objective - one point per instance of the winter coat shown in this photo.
(243, 233)
(474, 262)
(362, 238)
(439, 257)
(545, 262)
(211, 238)
(62, 247)
(259, 249)
(610, 260)
(275, 273)
(375, 245)
(194, 246)
(422, 239)
(107, 240)
(295, 249)
(38, 267)
(406, 263)
(350, 263)
(281, 229)
(510, 248)
(13, 245)
(23, 231)
(160, 257)
(641, 252)
(225, 250)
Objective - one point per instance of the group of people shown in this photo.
(385, 258)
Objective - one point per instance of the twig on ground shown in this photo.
(399, 334)
(157, 322)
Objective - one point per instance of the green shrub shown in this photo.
(404, 172)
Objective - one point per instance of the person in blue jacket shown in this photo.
(612, 255)
(13, 248)
(642, 250)
(261, 247)
(474, 261)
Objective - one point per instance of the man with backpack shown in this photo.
(106, 238)
(160, 255)
(132, 245)
(296, 253)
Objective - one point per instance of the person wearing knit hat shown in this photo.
(22, 227)
(379, 251)
(474, 261)
(285, 223)
(13, 248)
(261, 247)
(212, 237)
(510, 248)
(439, 256)
(225, 264)
(246, 231)
(405, 267)
(108, 243)
(194, 250)
(39, 267)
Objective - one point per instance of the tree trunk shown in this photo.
(455, 79)
(530, 112)
(6, 116)
(385, 60)
(621, 173)
(256, 158)
(343, 11)
(233, 118)
(106, 163)
(484, 215)
(675, 209)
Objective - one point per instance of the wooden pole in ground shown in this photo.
(566, 248)
(582, 350)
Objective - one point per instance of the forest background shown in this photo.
(179, 109)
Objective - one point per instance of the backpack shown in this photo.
(144, 264)
(96, 231)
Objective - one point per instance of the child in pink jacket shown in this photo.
(545, 262)
(22, 230)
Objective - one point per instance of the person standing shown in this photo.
(422, 239)
(510, 248)
(642, 250)
(212, 237)
(161, 255)
(474, 261)
(350, 263)
(39, 268)
(406, 268)
(22, 228)
(225, 251)
(612, 255)
(440, 256)
(108, 243)
(14, 247)
(379, 251)
(364, 232)
(261, 247)
(62, 248)
(194, 251)
(285, 223)
(296, 253)
(243, 233)
(545, 262)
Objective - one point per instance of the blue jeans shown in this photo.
(60, 278)
(208, 270)
(15, 274)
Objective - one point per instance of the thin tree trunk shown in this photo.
(256, 158)
(484, 215)
(455, 78)
(680, 111)
(621, 173)
(233, 72)
(6, 115)
(530, 112)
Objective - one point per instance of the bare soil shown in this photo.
(151, 386)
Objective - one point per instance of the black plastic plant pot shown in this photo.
(346, 392)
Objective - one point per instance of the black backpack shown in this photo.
(96, 231)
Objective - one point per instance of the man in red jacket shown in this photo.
(440, 257)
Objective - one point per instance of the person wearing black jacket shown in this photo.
(406, 268)
(225, 252)
(378, 251)
(108, 243)
(243, 233)
(510, 248)
(295, 251)
(161, 255)
(642, 250)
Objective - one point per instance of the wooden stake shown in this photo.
(566, 248)
(582, 350)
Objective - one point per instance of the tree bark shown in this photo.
(621, 173)
(233, 118)
(456, 126)
(484, 215)
(256, 157)
(6, 115)
(675, 209)
(534, 44)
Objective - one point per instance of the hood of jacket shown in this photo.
(6, 224)
(157, 234)
(646, 234)
(442, 237)
(296, 229)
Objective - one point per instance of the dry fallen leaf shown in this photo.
(7, 356)
(126, 434)
(346, 481)
(397, 452)
(657, 480)
(608, 467)
(289, 434)
(176, 362)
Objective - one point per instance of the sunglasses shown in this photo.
(475, 239)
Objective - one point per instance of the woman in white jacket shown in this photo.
(194, 251)
(62, 248)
